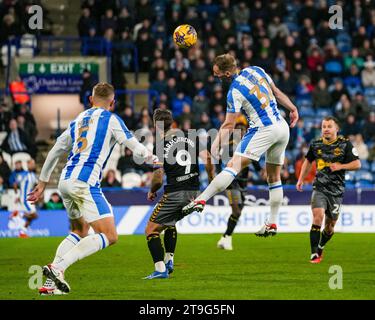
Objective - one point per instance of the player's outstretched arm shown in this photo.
(284, 100)
(123, 136)
(306, 167)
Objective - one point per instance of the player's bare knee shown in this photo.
(112, 237)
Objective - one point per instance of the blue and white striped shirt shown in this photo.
(90, 139)
(250, 91)
(26, 181)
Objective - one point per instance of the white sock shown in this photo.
(86, 247)
(276, 199)
(68, 243)
(168, 256)
(160, 266)
(218, 184)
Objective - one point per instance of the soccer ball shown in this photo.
(185, 36)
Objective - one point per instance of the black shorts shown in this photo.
(169, 209)
(331, 204)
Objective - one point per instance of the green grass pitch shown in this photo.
(257, 268)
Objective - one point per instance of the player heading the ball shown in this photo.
(252, 92)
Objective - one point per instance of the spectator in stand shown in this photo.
(298, 134)
(17, 141)
(200, 105)
(353, 59)
(368, 74)
(315, 62)
(2, 188)
(126, 50)
(159, 84)
(5, 117)
(351, 126)
(19, 92)
(27, 127)
(186, 115)
(125, 20)
(360, 106)
(338, 91)
(145, 47)
(333, 65)
(145, 121)
(110, 180)
(287, 83)
(241, 16)
(85, 23)
(9, 28)
(361, 147)
(109, 21)
(4, 171)
(129, 118)
(343, 108)
(353, 80)
(18, 169)
(178, 103)
(204, 122)
(304, 89)
(321, 96)
(277, 29)
(144, 10)
(86, 88)
(54, 203)
(127, 164)
(368, 129)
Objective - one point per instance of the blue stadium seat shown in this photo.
(349, 176)
(324, 112)
(365, 165)
(349, 184)
(369, 92)
(371, 101)
(306, 111)
(364, 176)
(292, 26)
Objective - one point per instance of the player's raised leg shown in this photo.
(155, 246)
(218, 184)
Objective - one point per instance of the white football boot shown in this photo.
(225, 243)
(57, 276)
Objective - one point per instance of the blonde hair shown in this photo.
(103, 91)
(225, 62)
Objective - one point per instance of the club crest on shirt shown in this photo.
(337, 152)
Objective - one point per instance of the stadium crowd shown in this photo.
(325, 71)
